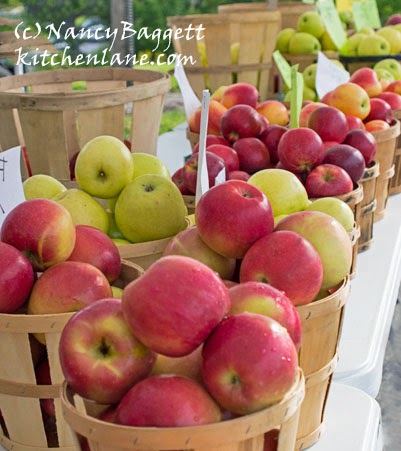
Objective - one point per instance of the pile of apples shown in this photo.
(129, 196)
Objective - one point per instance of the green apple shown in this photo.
(151, 207)
(104, 167)
(114, 231)
(373, 45)
(309, 75)
(393, 36)
(120, 241)
(309, 94)
(391, 65)
(367, 30)
(111, 203)
(337, 208)
(337, 63)
(117, 292)
(284, 190)
(234, 52)
(346, 16)
(326, 42)
(384, 74)
(145, 163)
(42, 186)
(350, 48)
(312, 23)
(84, 208)
(283, 39)
(301, 42)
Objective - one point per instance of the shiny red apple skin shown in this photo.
(167, 401)
(68, 287)
(174, 315)
(392, 98)
(367, 79)
(240, 93)
(306, 112)
(348, 158)
(329, 123)
(189, 243)
(238, 175)
(240, 121)
(231, 216)
(271, 137)
(95, 247)
(364, 141)
(379, 109)
(263, 298)
(354, 122)
(215, 165)
(211, 139)
(100, 357)
(178, 179)
(328, 180)
(287, 261)
(300, 149)
(249, 362)
(227, 153)
(252, 154)
(16, 278)
(42, 229)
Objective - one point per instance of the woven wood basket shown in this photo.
(395, 183)
(385, 156)
(254, 32)
(23, 427)
(321, 332)
(368, 205)
(41, 111)
(243, 433)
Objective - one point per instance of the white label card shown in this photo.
(11, 190)
(328, 75)
(202, 181)
(191, 102)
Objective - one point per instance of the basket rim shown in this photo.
(387, 134)
(226, 18)
(247, 426)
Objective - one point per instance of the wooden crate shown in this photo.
(385, 156)
(41, 111)
(239, 434)
(23, 427)
(254, 32)
(395, 184)
(318, 355)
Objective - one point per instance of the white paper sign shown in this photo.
(191, 102)
(11, 190)
(328, 75)
(202, 182)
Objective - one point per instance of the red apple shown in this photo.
(328, 180)
(328, 144)
(300, 149)
(42, 229)
(167, 401)
(348, 158)
(16, 278)
(68, 287)
(271, 137)
(214, 163)
(72, 165)
(287, 261)
(392, 98)
(274, 111)
(354, 122)
(227, 153)
(238, 175)
(364, 141)
(175, 316)
(376, 125)
(216, 111)
(306, 112)
(260, 297)
(240, 121)
(240, 93)
(271, 440)
(329, 123)
(189, 243)
(211, 139)
(394, 86)
(367, 79)
(42, 373)
(249, 362)
(109, 414)
(231, 216)
(379, 109)
(252, 154)
(328, 237)
(178, 179)
(394, 19)
(95, 247)
(350, 98)
(100, 357)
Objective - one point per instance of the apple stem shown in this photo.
(148, 188)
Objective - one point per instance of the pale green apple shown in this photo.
(312, 23)
(117, 292)
(84, 209)
(151, 207)
(350, 48)
(283, 39)
(301, 42)
(373, 45)
(145, 163)
(309, 94)
(284, 190)
(42, 186)
(346, 16)
(384, 74)
(391, 65)
(111, 203)
(326, 42)
(337, 208)
(309, 75)
(234, 52)
(120, 241)
(104, 167)
(114, 231)
(337, 63)
(393, 36)
(367, 30)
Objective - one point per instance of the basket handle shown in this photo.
(271, 5)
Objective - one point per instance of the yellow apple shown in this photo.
(145, 163)
(42, 186)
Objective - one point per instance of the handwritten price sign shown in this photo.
(11, 191)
